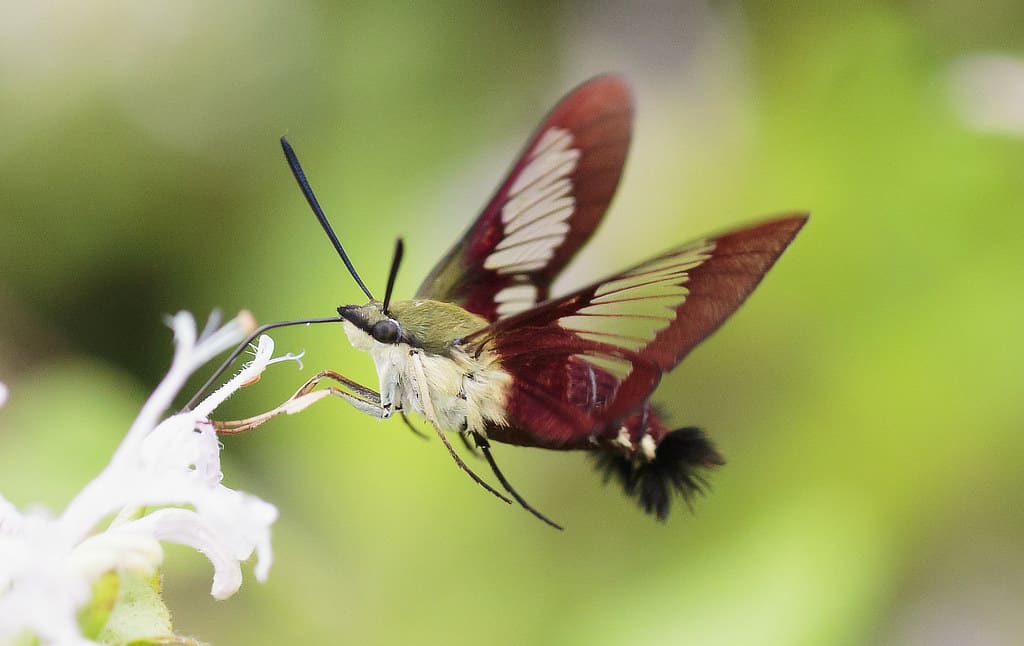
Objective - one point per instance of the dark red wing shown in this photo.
(566, 389)
(584, 361)
(545, 210)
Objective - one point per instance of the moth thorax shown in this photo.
(466, 392)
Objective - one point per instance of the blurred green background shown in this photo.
(868, 397)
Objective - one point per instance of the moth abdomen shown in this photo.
(679, 463)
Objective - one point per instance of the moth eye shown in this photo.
(385, 331)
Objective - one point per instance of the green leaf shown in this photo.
(93, 617)
(139, 616)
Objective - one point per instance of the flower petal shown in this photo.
(253, 369)
(187, 527)
(116, 549)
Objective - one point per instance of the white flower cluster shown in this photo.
(162, 484)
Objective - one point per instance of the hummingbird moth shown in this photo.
(483, 350)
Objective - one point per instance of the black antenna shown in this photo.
(396, 260)
(307, 190)
(241, 348)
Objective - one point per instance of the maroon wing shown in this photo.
(545, 210)
(584, 362)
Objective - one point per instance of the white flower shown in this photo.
(163, 483)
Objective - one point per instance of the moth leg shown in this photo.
(464, 427)
(289, 407)
(364, 400)
(469, 446)
(462, 436)
(431, 415)
(408, 422)
(485, 448)
(366, 394)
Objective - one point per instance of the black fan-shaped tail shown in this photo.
(678, 461)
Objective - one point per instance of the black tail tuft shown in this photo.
(677, 463)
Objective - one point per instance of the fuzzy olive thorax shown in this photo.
(421, 323)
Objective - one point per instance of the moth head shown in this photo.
(366, 324)
(420, 323)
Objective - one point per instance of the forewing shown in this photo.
(596, 355)
(545, 209)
